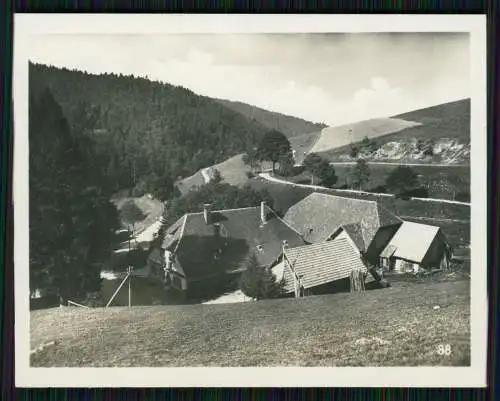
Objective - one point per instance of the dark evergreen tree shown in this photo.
(131, 214)
(259, 282)
(72, 221)
(401, 180)
(360, 174)
(321, 169)
(274, 146)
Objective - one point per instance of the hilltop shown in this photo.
(438, 134)
(288, 125)
(350, 329)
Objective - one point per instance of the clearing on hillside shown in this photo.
(233, 171)
(446, 128)
(152, 209)
(403, 325)
(337, 137)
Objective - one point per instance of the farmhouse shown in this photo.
(322, 268)
(321, 217)
(415, 247)
(203, 249)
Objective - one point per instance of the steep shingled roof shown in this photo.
(321, 263)
(356, 233)
(230, 238)
(319, 215)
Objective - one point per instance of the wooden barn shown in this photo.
(322, 268)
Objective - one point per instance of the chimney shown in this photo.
(206, 213)
(263, 212)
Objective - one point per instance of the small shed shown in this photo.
(416, 247)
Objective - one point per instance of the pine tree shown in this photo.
(259, 282)
(273, 147)
(360, 174)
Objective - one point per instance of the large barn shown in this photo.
(321, 217)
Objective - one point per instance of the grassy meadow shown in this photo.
(441, 182)
(402, 325)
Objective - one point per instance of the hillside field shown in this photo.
(448, 123)
(441, 182)
(340, 136)
(398, 326)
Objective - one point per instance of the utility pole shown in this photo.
(129, 271)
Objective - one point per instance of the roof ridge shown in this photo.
(319, 244)
(421, 224)
(182, 233)
(283, 221)
(383, 208)
(226, 210)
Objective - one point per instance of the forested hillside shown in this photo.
(150, 133)
(288, 125)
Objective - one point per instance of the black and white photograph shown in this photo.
(304, 194)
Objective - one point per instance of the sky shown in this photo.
(334, 78)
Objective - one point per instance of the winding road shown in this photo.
(400, 164)
(268, 177)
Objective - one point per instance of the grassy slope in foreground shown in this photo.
(393, 327)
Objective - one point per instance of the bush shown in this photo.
(420, 192)
(259, 282)
(120, 261)
(250, 175)
(401, 180)
(379, 189)
(131, 213)
(463, 196)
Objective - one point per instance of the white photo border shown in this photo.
(27, 25)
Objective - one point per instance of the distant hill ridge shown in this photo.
(288, 125)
